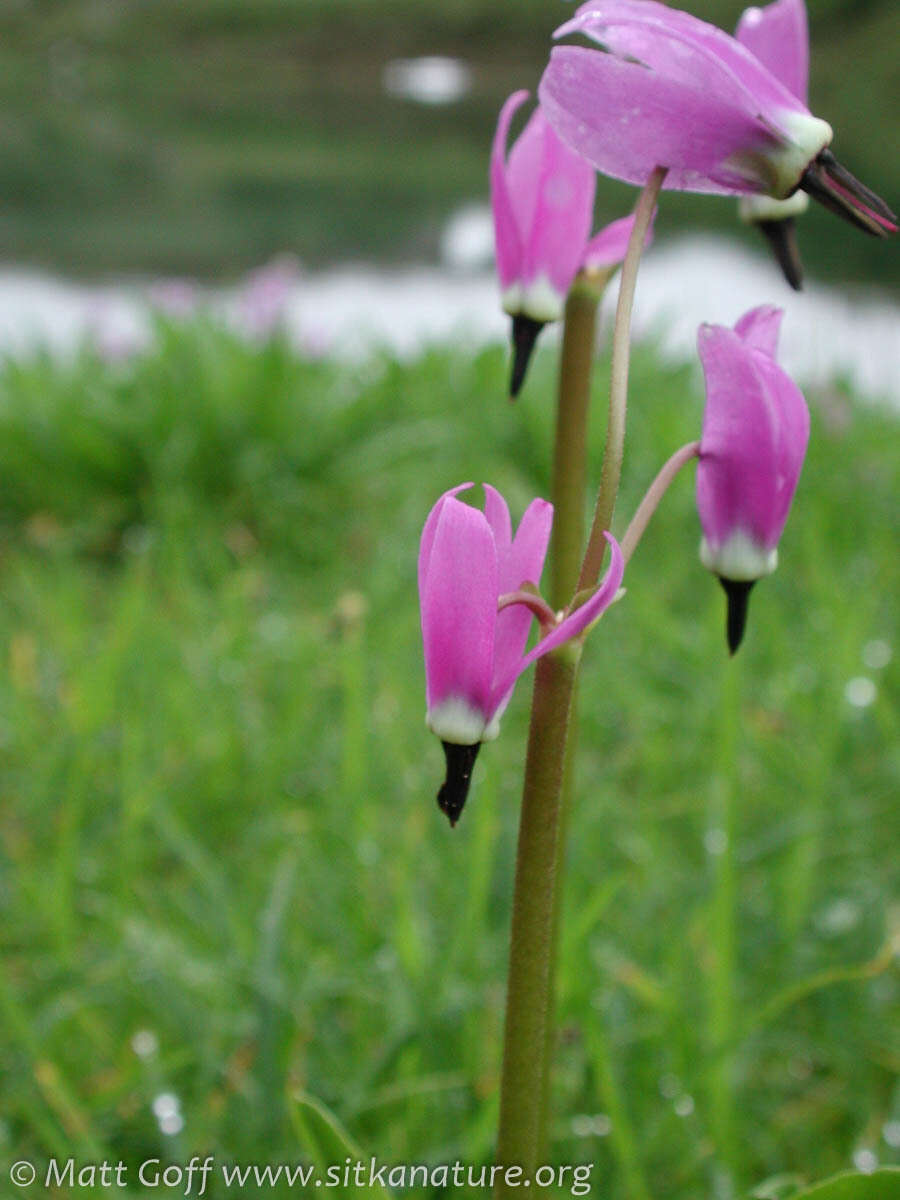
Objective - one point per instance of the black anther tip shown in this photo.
(452, 795)
(525, 332)
(737, 593)
(782, 237)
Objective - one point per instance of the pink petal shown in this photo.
(779, 37)
(497, 513)
(459, 608)
(683, 47)
(755, 430)
(560, 220)
(524, 169)
(760, 328)
(572, 626)
(522, 563)
(508, 241)
(607, 248)
(427, 539)
(627, 119)
(792, 437)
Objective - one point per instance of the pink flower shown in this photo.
(543, 202)
(755, 431)
(778, 35)
(667, 89)
(475, 648)
(265, 296)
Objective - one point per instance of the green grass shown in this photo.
(218, 819)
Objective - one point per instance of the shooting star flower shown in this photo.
(755, 431)
(666, 89)
(477, 596)
(542, 196)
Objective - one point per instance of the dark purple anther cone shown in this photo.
(834, 187)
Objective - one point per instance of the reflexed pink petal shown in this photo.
(561, 219)
(496, 511)
(607, 248)
(755, 429)
(627, 119)
(683, 47)
(522, 563)
(779, 37)
(760, 328)
(525, 560)
(508, 241)
(573, 625)
(427, 538)
(459, 608)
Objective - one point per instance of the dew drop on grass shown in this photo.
(877, 654)
(584, 1125)
(715, 841)
(839, 917)
(865, 1160)
(172, 1124)
(145, 1043)
(860, 691)
(167, 1110)
(165, 1105)
(669, 1086)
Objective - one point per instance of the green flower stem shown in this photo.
(535, 929)
(529, 998)
(568, 490)
(618, 385)
(568, 484)
(521, 1134)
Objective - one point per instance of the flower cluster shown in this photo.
(655, 89)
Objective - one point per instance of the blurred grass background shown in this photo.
(203, 137)
(224, 875)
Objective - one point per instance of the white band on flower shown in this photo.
(738, 557)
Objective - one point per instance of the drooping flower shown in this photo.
(779, 37)
(476, 620)
(543, 201)
(667, 89)
(755, 431)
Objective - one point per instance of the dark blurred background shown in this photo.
(203, 136)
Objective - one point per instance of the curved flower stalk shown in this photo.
(542, 197)
(755, 431)
(668, 89)
(475, 582)
(779, 37)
